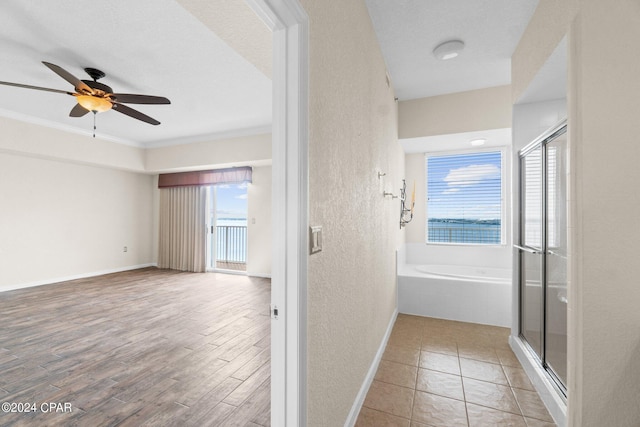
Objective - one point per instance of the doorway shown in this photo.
(227, 238)
(543, 251)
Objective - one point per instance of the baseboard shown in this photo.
(545, 387)
(5, 288)
(262, 276)
(362, 394)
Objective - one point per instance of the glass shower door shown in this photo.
(531, 260)
(556, 258)
(543, 251)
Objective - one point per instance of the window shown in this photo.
(464, 198)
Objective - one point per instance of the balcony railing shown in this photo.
(464, 234)
(231, 245)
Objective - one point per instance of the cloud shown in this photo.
(470, 175)
(241, 196)
(451, 190)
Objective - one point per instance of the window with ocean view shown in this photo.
(464, 198)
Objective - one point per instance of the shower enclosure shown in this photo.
(543, 251)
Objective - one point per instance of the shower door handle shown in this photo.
(531, 251)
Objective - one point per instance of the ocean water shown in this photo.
(232, 222)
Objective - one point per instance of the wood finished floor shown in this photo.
(141, 348)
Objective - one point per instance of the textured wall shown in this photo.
(353, 135)
(548, 25)
(604, 320)
(603, 116)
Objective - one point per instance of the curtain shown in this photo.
(182, 240)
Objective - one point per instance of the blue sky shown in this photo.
(231, 200)
(464, 186)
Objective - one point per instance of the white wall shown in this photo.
(474, 110)
(532, 119)
(259, 223)
(30, 139)
(60, 220)
(227, 152)
(352, 136)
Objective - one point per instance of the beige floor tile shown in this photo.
(440, 383)
(492, 395)
(442, 373)
(389, 398)
(405, 355)
(372, 418)
(439, 344)
(517, 378)
(507, 358)
(438, 411)
(483, 371)
(477, 352)
(531, 405)
(532, 422)
(397, 373)
(480, 416)
(440, 362)
(406, 338)
(409, 320)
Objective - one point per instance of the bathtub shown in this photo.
(456, 292)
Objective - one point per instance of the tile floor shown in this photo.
(441, 373)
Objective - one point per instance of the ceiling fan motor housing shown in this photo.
(98, 86)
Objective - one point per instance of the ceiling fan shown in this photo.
(93, 96)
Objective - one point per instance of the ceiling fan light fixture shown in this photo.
(448, 50)
(94, 103)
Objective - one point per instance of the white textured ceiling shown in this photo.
(409, 30)
(152, 47)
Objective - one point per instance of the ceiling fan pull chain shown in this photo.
(94, 124)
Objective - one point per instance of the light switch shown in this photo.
(316, 239)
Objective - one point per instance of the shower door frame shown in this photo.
(542, 142)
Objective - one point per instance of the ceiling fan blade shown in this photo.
(36, 87)
(129, 98)
(78, 84)
(134, 113)
(78, 111)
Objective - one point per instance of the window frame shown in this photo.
(504, 229)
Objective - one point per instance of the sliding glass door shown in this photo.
(531, 226)
(227, 227)
(556, 258)
(543, 251)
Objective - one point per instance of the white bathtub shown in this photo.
(465, 293)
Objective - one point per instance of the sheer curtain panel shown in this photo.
(182, 240)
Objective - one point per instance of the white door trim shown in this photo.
(289, 24)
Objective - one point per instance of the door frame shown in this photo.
(289, 24)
